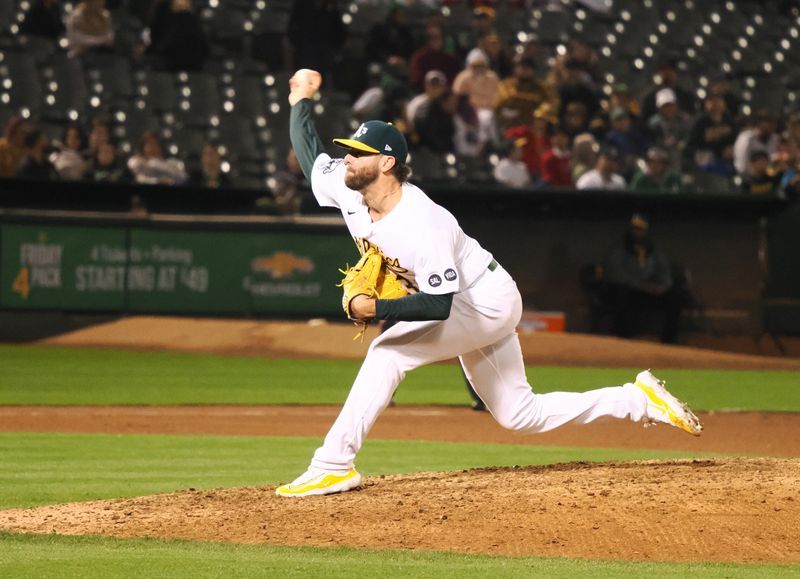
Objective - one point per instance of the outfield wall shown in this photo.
(85, 252)
(163, 268)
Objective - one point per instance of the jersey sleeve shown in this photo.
(436, 271)
(327, 181)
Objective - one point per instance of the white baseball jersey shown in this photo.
(420, 240)
(425, 245)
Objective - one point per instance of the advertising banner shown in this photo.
(167, 271)
(62, 267)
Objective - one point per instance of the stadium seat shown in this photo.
(228, 26)
(552, 26)
(38, 47)
(188, 140)
(157, 90)
(249, 94)
(129, 124)
(65, 89)
(236, 133)
(198, 98)
(109, 79)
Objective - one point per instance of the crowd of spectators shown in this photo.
(555, 117)
(540, 120)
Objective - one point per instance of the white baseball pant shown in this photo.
(481, 331)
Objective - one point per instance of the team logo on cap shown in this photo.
(435, 280)
(450, 274)
(362, 130)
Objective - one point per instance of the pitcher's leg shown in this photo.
(497, 373)
(391, 355)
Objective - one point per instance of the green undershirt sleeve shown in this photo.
(305, 141)
(415, 308)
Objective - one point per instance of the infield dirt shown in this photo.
(721, 509)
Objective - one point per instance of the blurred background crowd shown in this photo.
(652, 96)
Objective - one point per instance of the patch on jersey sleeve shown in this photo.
(330, 166)
(435, 280)
(450, 274)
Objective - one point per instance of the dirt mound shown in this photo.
(742, 510)
(318, 338)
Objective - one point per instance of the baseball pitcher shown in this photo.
(456, 301)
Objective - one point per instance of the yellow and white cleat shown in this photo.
(320, 482)
(664, 407)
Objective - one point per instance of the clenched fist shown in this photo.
(303, 85)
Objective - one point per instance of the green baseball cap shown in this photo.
(377, 137)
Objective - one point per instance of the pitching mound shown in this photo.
(712, 510)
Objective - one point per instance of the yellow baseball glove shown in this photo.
(369, 277)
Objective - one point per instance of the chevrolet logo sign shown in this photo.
(282, 265)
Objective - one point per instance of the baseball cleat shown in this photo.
(320, 482)
(664, 407)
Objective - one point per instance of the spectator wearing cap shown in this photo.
(584, 155)
(556, 169)
(435, 124)
(511, 170)
(35, 164)
(759, 180)
(536, 136)
(619, 97)
(710, 144)
(478, 81)
(656, 177)
(669, 127)
(637, 277)
(667, 76)
(521, 94)
(89, 28)
(604, 175)
(435, 86)
(627, 140)
(760, 136)
(432, 56)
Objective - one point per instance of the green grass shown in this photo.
(48, 375)
(89, 557)
(37, 469)
(55, 468)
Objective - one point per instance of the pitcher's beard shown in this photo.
(358, 180)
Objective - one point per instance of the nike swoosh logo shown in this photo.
(351, 212)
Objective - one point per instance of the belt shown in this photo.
(492, 265)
